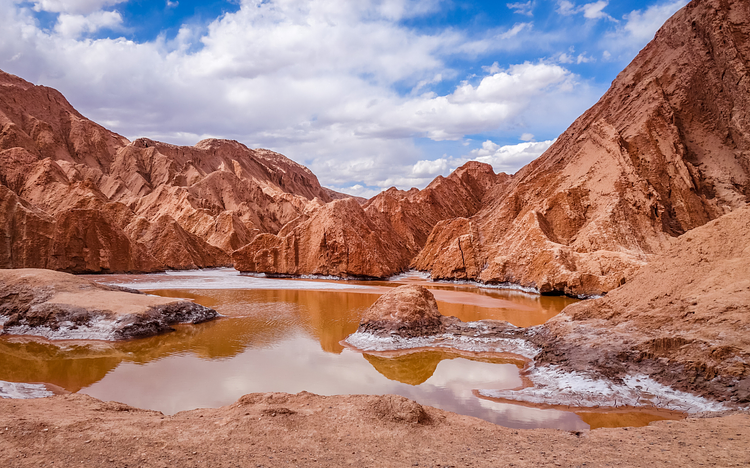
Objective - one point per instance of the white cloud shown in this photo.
(81, 7)
(507, 158)
(312, 79)
(470, 109)
(639, 28)
(566, 58)
(72, 26)
(358, 190)
(594, 10)
(565, 7)
(641, 25)
(522, 8)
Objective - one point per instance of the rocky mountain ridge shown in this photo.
(666, 149)
(79, 198)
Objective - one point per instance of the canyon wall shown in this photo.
(374, 240)
(665, 150)
(76, 197)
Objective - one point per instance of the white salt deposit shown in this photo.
(218, 278)
(412, 275)
(425, 275)
(98, 328)
(552, 386)
(370, 342)
(23, 391)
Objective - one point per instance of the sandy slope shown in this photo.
(684, 318)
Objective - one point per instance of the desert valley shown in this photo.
(215, 305)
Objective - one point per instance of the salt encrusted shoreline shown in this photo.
(23, 391)
(551, 385)
(555, 387)
(369, 342)
(104, 326)
(60, 306)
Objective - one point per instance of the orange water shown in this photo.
(288, 340)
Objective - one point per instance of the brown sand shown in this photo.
(308, 430)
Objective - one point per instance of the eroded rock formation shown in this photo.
(58, 305)
(376, 240)
(338, 238)
(665, 150)
(79, 198)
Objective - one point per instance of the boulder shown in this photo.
(408, 311)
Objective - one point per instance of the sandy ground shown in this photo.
(269, 430)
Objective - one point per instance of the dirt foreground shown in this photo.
(277, 429)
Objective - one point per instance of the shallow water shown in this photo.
(285, 335)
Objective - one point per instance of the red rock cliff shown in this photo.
(665, 150)
(79, 198)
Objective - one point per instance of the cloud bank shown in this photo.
(348, 89)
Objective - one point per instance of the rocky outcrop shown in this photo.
(683, 319)
(666, 149)
(376, 240)
(406, 311)
(338, 238)
(412, 214)
(58, 305)
(79, 198)
(26, 233)
(408, 318)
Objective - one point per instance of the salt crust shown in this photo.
(553, 386)
(224, 278)
(370, 342)
(23, 391)
(98, 328)
(425, 275)
(412, 274)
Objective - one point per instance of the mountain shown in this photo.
(374, 240)
(79, 198)
(665, 150)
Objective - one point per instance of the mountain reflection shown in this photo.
(415, 368)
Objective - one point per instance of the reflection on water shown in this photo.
(288, 340)
(415, 368)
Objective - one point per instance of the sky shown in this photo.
(368, 94)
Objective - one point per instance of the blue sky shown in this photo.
(367, 94)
